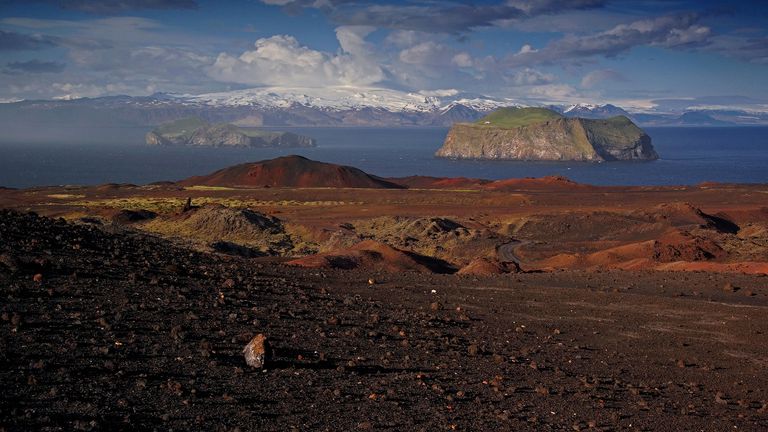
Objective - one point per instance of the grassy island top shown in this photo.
(188, 126)
(514, 117)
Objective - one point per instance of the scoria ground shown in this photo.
(121, 330)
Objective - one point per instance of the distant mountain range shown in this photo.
(332, 106)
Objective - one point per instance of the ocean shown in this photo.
(97, 156)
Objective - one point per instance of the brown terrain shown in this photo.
(399, 304)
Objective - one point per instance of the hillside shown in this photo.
(194, 131)
(543, 134)
(291, 171)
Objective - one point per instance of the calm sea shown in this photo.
(688, 156)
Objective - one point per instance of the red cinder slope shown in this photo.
(291, 171)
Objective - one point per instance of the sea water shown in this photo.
(688, 156)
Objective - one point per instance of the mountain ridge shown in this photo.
(332, 106)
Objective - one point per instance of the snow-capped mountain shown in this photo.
(330, 106)
(347, 98)
(594, 111)
(272, 106)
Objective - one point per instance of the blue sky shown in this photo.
(625, 52)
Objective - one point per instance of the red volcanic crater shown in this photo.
(300, 172)
(291, 171)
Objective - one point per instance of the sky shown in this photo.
(631, 53)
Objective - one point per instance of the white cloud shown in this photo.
(555, 93)
(530, 77)
(428, 53)
(68, 91)
(282, 60)
(600, 77)
(527, 49)
(463, 60)
(439, 92)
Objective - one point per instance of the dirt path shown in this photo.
(506, 252)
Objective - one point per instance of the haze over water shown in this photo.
(688, 156)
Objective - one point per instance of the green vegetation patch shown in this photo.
(183, 126)
(166, 205)
(510, 118)
(614, 132)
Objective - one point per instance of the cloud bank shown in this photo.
(672, 31)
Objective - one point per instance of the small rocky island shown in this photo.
(198, 132)
(545, 135)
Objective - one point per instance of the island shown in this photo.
(540, 134)
(197, 132)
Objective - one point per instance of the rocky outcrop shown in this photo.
(572, 139)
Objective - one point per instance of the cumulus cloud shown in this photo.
(282, 60)
(530, 77)
(601, 76)
(35, 66)
(525, 49)
(462, 60)
(13, 41)
(670, 31)
(429, 53)
(554, 93)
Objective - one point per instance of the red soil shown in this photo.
(374, 256)
(291, 171)
(548, 183)
(426, 182)
(487, 267)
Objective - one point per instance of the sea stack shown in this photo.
(545, 135)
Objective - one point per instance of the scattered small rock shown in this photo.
(721, 399)
(10, 262)
(256, 353)
(473, 350)
(730, 288)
